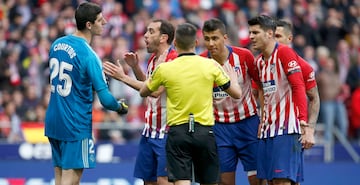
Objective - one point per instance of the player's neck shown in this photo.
(222, 57)
(83, 34)
(161, 50)
(267, 52)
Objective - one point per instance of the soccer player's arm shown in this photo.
(308, 131)
(312, 94)
(98, 78)
(132, 59)
(116, 71)
(314, 105)
(256, 86)
(253, 72)
(290, 63)
(261, 104)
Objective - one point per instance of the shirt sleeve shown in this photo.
(292, 68)
(94, 70)
(309, 76)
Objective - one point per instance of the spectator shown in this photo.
(332, 109)
(355, 114)
(353, 76)
(12, 121)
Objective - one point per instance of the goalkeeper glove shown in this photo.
(123, 107)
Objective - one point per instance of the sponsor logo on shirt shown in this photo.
(311, 77)
(220, 94)
(293, 67)
(269, 86)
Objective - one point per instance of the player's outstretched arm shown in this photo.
(144, 90)
(109, 102)
(116, 71)
(132, 59)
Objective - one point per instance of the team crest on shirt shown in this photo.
(272, 68)
(237, 69)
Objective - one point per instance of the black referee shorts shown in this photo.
(184, 148)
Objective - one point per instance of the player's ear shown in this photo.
(291, 37)
(88, 25)
(164, 37)
(270, 34)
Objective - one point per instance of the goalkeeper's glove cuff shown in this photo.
(123, 108)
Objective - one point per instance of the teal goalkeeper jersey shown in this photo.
(75, 71)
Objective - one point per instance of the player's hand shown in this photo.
(114, 70)
(132, 59)
(123, 107)
(230, 71)
(307, 138)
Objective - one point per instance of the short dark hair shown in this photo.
(185, 36)
(85, 12)
(265, 22)
(213, 25)
(285, 24)
(166, 28)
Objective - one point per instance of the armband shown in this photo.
(225, 86)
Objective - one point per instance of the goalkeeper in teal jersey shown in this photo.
(75, 72)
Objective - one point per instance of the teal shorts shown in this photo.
(73, 154)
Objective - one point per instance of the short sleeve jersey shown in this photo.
(230, 110)
(189, 81)
(75, 71)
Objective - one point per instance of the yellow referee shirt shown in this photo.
(189, 81)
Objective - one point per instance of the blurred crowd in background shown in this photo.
(326, 34)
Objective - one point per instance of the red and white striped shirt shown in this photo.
(284, 93)
(227, 109)
(155, 115)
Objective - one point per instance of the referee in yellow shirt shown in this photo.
(189, 81)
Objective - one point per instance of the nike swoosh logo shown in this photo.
(278, 171)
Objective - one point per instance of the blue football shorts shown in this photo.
(281, 157)
(73, 154)
(237, 141)
(151, 159)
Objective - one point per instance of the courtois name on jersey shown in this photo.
(65, 47)
(75, 71)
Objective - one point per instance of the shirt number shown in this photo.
(58, 69)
